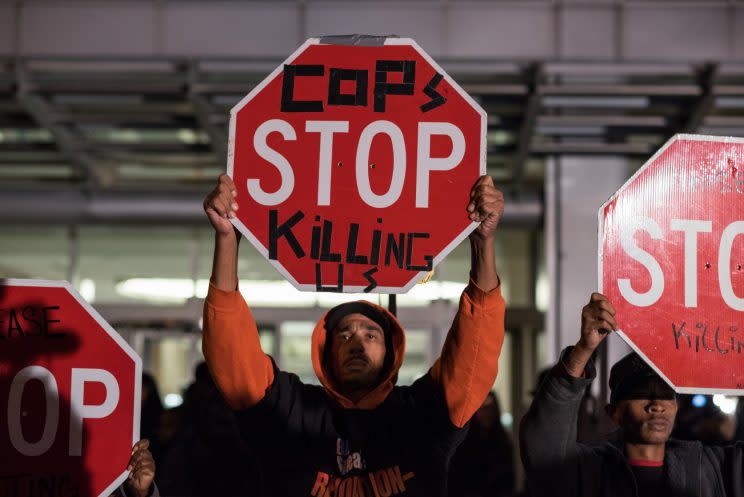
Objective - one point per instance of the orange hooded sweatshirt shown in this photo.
(394, 441)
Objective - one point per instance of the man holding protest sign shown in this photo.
(358, 434)
(669, 270)
(644, 462)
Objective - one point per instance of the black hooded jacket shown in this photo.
(557, 465)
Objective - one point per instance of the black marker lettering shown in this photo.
(372, 282)
(351, 246)
(335, 97)
(29, 314)
(396, 249)
(374, 256)
(319, 287)
(383, 88)
(289, 104)
(718, 345)
(47, 321)
(13, 324)
(285, 230)
(679, 333)
(315, 241)
(325, 252)
(430, 90)
(409, 255)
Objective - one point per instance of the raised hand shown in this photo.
(486, 206)
(141, 470)
(597, 321)
(220, 205)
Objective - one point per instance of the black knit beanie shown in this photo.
(336, 314)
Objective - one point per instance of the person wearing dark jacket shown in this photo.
(483, 465)
(358, 434)
(643, 461)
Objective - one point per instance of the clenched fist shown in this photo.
(486, 206)
(220, 205)
(597, 320)
(141, 470)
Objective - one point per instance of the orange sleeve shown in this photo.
(469, 362)
(240, 368)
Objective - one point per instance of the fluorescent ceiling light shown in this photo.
(729, 102)
(499, 137)
(95, 98)
(608, 102)
(542, 292)
(172, 400)
(277, 293)
(727, 405)
(160, 290)
(571, 130)
(87, 289)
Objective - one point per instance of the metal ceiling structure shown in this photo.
(159, 127)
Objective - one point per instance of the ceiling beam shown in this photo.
(161, 207)
(68, 143)
(706, 78)
(527, 128)
(204, 115)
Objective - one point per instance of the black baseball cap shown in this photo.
(336, 314)
(631, 378)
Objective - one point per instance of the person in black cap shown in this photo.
(643, 460)
(359, 434)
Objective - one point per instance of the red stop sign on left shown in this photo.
(69, 391)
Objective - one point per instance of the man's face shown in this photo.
(646, 421)
(357, 352)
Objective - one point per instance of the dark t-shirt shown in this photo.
(311, 447)
(650, 478)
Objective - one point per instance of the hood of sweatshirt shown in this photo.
(323, 371)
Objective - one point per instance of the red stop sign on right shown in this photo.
(671, 261)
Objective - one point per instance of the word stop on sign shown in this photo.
(79, 410)
(692, 230)
(326, 130)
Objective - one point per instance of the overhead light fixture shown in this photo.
(161, 290)
(95, 98)
(571, 130)
(607, 102)
(729, 102)
(277, 293)
(186, 135)
(727, 405)
(499, 137)
(87, 289)
(172, 400)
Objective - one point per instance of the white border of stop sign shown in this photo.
(78, 378)
(370, 198)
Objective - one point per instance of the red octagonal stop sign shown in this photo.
(671, 257)
(70, 386)
(353, 164)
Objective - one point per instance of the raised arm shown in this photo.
(548, 431)
(468, 365)
(230, 341)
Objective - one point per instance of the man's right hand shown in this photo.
(597, 321)
(220, 206)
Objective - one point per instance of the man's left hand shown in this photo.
(486, 206)
(141, 470)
